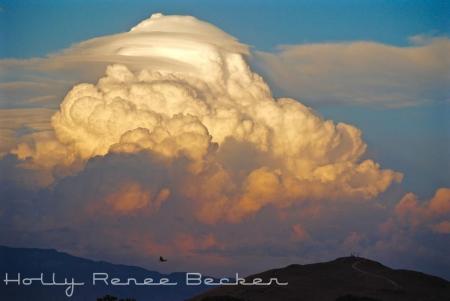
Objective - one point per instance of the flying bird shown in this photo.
(162, 259)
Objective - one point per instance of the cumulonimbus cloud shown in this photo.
(184, 91)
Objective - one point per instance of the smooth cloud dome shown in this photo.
(194, 98)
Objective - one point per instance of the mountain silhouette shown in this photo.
(32, 262)
(344, 279)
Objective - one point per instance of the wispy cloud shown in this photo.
(362, 73)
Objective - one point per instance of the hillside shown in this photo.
(344, 279)
(32, 262)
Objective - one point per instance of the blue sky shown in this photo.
(413, 140)
(55, 25)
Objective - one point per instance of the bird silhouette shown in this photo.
(162, 259)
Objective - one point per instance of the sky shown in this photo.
(365, 134)
(261, 24)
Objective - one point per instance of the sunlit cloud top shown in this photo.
(205, 109)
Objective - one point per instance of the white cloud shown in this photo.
(191, 95)
(164, 144)
(362, 73)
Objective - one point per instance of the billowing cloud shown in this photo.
(131, 197)
(195, 98)
(415, 232)
(434, 213)
(171, 145)
(362, 73)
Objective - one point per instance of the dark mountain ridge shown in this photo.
(347, 278)
(32, 262)
(344, 279)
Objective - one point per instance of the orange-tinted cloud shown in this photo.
(442, 227)
(434, 213)
(131, 197)
(299, 233)
(191, 96)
